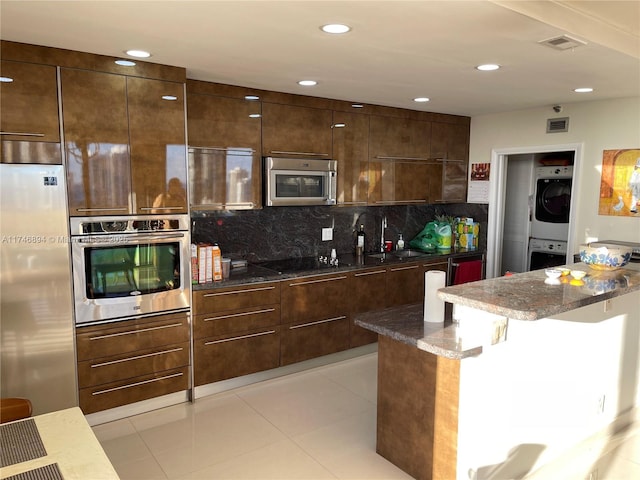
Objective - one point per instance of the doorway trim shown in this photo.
(497, 189)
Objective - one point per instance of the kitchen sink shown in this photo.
(381, 256)
(408, 253)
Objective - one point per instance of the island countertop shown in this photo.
(527, 296)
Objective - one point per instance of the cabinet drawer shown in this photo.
(314, 339)
(232, 321)
(142, 362)
(116, 394)
(231, 298)
(228, 356)
(131, 335)
(315, 298)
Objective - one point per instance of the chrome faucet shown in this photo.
(382, 227)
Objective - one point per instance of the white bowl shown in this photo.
(578, 274)
(553, 272)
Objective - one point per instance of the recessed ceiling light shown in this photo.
(583, 90)
(254, 115)
(421, 99)
(335, 28)
(487, 67)
(169, 97)
(357, 105)
(138, 53)
(307, 83)
(6, 79)
(125, 63)
(251, 97)
(339, 125)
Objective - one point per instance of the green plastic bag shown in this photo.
(434, 236)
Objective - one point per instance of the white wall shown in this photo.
(527, 400)
(597, 125)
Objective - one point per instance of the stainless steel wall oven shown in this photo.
(130, 267)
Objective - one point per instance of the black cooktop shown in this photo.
(296, 264)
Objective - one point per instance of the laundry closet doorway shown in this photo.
(512, 206)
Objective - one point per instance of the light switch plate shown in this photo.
(327, 234)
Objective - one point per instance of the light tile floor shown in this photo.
(318, 424)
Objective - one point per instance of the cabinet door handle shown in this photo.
(239, 204)
(397, 269)
(233, 292)
(369, 273)
(136, 384)
(444, 264)
(23, 134)
(302, 325)
(236, 151)
(137, 357)
(244, 314)
(312, 154)
(401, 201)
(131, 332)
(242, 337)
(406, 159)
(317, 281)
(104, 209)
(162, 208)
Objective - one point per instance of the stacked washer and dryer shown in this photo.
(550, 219)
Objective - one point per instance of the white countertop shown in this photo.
(69, 442)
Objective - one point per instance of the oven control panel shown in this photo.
(130, 225)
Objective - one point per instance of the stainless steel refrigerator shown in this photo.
(37, 356)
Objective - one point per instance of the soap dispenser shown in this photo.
(400, 244)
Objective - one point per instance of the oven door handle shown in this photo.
(98, 240)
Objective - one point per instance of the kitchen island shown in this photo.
(529, 370)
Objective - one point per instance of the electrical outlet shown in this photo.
(607, 305)
(327, 234)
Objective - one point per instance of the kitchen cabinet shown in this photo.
(133, 360)
(404, 284)
(403, 182)
(236, 331)
(368, 293)
(398, 138)
(224, 154)
(298, 131)
(399, 161)
(125, 144)
(29, 103)
(315, 317)
(158, 147)
(351, 150)
(450, 151)
(96, 135)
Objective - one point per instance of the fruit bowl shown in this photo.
(605, 257)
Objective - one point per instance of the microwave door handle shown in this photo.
(329, 188)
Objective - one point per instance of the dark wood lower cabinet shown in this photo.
(233, 355)
(368, 293)
(133, 360)
(115, 394)
(417, 420)
(304, 341)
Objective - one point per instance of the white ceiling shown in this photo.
(396, 51)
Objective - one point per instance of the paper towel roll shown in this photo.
(433, 306)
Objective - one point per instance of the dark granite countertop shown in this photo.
(255, 273)
(526, 296)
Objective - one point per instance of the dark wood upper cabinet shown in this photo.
(125, 144)
(224, 152)
(399, 138)
(29, 102)
(291, 130)
(158, 147)
(351, 150)
(96, 131)
(450, 141)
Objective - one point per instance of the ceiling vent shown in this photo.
(563, 42)
(556, 125)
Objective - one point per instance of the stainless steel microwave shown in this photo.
(298, 181)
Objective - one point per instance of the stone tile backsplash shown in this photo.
(282, 232)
